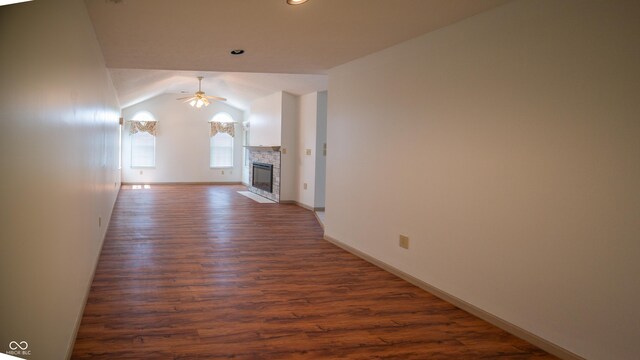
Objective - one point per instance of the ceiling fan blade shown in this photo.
(199, 96)
(216, 98)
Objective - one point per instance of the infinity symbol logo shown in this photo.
(14, 345)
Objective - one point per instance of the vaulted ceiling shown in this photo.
(196, 36)
(240, 89)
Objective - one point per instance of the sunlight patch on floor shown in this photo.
(139, 187)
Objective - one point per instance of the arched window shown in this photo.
(221, 140)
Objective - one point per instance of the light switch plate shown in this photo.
(404, 242)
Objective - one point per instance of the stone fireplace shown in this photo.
(265, 155)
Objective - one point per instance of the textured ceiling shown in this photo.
(278, 38)
(160, 46)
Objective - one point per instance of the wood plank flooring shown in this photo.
(201, 272)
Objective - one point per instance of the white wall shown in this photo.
(506, 147)
(59, 160)
(306, 164)
(312, 134)
(289, 138)
(265, 118)
(320, 155)
(182, 143)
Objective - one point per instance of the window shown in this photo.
(221, 148)
(221, 141)
(143, 150)
(143, 131)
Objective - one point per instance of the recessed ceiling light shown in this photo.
(296, 2)
(236, 52)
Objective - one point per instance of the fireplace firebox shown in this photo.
(262, 176)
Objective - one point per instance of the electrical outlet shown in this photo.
(304, 186)
(404, 242)
(140, 172)
(222, 172)
(308, 152)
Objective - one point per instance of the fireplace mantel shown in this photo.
(263, 148)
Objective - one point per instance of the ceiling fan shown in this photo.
(199, 98)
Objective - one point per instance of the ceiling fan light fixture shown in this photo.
(296, 2)
(199, 99)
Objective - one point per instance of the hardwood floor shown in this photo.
(201, 272)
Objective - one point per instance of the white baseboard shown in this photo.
(472, 309)
(319, 220)
(304, 206)
(185, 183)
(71, 345)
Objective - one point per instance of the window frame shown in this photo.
(233, 148)
(229, 119)
(133, 136)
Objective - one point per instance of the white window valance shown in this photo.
(150, 127)
(222, 127)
